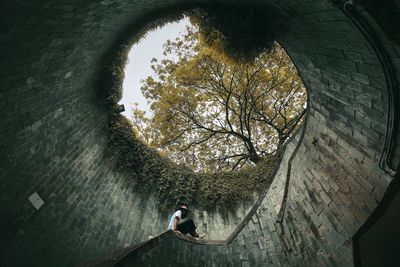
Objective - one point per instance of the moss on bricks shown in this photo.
(172, 182)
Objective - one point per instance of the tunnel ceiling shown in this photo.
(54, 136)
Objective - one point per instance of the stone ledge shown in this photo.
(132, 252)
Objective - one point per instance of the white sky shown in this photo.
(138, 65)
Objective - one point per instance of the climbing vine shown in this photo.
(172, 182)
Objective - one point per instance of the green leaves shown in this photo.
(212, 112)
(173, 183)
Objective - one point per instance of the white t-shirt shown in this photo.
(177, 213)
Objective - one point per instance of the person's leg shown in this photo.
(186, 226)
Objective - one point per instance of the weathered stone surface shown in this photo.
(53, 140)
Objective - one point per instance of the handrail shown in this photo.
(349, 9)
(115, 257)
(132, 251)
(282, 209)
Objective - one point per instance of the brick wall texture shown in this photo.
(54, 138)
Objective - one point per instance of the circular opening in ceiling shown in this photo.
(218, 110)
(208, 111)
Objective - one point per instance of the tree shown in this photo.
(141, 126)
(215, 113)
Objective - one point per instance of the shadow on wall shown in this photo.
(377, 243)
(387, 14)
(143, 162)
(72, 227)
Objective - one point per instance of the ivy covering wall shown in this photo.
(171, 182)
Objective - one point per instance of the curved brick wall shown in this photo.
(53, 139)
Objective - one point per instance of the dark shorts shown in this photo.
(186, 226)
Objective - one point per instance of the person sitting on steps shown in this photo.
(180, 223)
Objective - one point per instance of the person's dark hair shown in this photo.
(181, 204)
